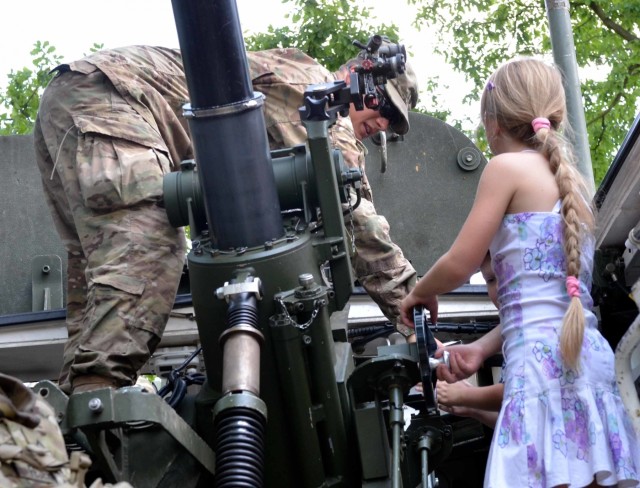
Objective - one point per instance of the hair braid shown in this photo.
(517, 94)
(575, 213)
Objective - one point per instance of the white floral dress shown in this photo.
(557, 426)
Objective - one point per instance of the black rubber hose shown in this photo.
(239, 448)
(176, 388)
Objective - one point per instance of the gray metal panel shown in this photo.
(46, 283)
(620, 211)
(26, 228)
(424, 193)
(33, 351)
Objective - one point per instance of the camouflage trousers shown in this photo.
(102, 166)
(378, 263)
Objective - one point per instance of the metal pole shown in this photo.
(564, 54)
(396, 419)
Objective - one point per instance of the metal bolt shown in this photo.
(95, 405)
(46, 269)
(306, 280)
(306, 339)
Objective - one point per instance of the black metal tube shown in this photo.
(213, 52)
(227, 126)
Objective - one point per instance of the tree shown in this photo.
(19, 102)
(476, 36)
(21, 98)
(323, 29)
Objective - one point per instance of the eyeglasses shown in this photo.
(387, 109)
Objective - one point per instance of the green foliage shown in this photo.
(19, 101)
(476, 36)
(324, 29)
(97, 46)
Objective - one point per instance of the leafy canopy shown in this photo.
(20, 100)
(323, 29)
(476, 36)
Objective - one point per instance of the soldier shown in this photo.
(108, 129)
(32, 450)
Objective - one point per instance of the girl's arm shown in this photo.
(466, 359)
(496, 188)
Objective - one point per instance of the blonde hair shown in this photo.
(517, 93)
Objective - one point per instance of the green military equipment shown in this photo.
(262, 386)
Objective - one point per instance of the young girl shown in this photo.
(562, 422)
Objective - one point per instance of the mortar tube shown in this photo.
(227, 126)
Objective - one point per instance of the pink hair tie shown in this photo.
(540, 123)
(573, 286)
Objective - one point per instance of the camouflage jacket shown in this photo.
(32, 450)
(152, 81)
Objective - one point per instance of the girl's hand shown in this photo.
(452, 394)
(464, 360)
(431, 304)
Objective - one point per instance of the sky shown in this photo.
(73, 26)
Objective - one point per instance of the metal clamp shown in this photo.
(190, 112)
(230, 289)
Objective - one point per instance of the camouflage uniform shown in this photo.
(108, 129)
(32, 449)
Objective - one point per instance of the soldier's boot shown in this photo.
(90, 382)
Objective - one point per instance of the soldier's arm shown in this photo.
(379, 264)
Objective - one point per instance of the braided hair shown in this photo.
(526, 99)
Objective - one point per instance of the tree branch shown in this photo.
(608, 22)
